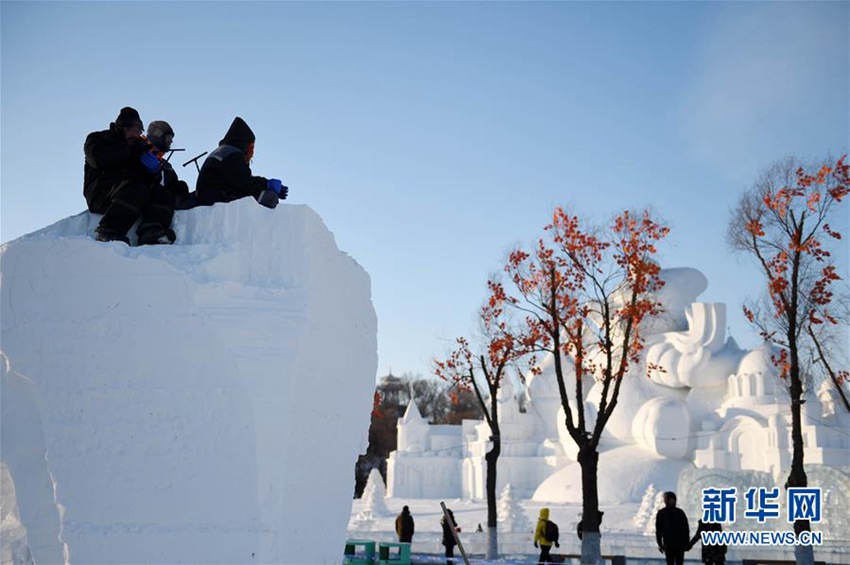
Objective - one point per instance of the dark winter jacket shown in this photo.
(672, 531)
(404, 526)
(715, 554)
(109, 161)
(225, 174)
(448, 537)
(173, 184)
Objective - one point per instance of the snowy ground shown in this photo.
(620, 536)
(515, 547)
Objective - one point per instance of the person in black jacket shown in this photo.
(711, 554)
(121, 182)
(226, 175)
(672, 531)
(404, 525)
(580, 526)
(448, 537)
(161, 135)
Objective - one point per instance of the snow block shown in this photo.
(201, 402)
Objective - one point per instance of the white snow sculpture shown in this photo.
(177, 385)
(32, 521)
(657, 504)
(623, 474)
(510, 515)
(374, 504)
(698, 357)
(375, 493)
(659, 426)
(714, 406)
(646, 508)
(829, 398)
(635, 391)
(413, 435)
(543, 401)
(681, 288)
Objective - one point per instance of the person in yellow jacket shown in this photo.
(540, 537)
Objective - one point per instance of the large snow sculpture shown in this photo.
(183, 390)
(707, 404)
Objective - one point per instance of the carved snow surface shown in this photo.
(197, 402)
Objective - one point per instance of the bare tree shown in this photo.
(783, 223)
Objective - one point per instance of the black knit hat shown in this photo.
(239, 135)
(128, 117)
(158, 131)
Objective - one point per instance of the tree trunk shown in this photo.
(588, 459)
(492, 543)
(804, 555)
(492, 522)
(797, 477)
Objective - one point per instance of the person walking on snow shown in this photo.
(672, 531)
(540, 537)
(120, 181)
(226, 173)
(711, 554)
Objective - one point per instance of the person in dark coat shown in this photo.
(226, 173)
(121, 181)
(448, 537)
(580, 526)
(711, 554)
(404, 525)
(160, 135)
(672, 531)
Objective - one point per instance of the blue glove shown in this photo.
(278, 188)
(274, 185)
(149, 161)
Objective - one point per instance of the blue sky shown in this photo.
(433, 136)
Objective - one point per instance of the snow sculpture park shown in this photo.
(713, 416)
(202, 402)
(206, 402)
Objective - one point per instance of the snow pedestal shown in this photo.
(201, 402)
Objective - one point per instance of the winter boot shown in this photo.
(159, 236)
(102, 233)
